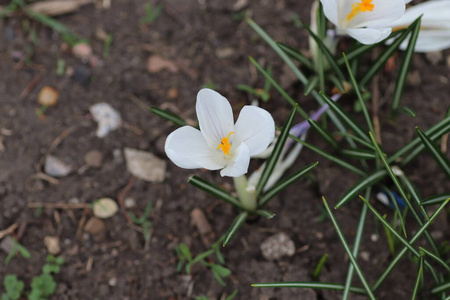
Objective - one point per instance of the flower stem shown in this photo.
(246, 196)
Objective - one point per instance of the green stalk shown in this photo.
(247, 197)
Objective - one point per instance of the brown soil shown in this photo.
(208, 43)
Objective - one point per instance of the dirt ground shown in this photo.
(203, 43)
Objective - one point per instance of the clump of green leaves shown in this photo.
(188, 261)
(151, 13)
(143, 221)
(42, 286)
(13, 288)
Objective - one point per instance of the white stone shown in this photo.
(145, 165)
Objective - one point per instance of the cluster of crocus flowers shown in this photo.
(368, 21)
(434, 34)
(221, 144)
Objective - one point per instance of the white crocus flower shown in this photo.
(368, 21)
(220, 143)
(434, 34)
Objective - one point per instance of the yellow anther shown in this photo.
(225, 145)
(365, 5)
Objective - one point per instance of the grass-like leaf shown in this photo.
(330, 157)
(284, 184)
(278, 88)
(345, 117)
(358, 94)
(214, 190)
(419, 277)
(168, 115)
(402, 252)
(273, 159)
(310, 285)
(357, 242)
(436, 199)
(416, 146)
(348, 251)
(265, 213)
(319, 266)
(359, 153)
(379, 62)
(237, 223)
(361, 185)
(436, 258)
(441, 288)
(297, 55)
(323, 133)
(311, 85)
(440, 158)
(326, 52)
(404, 68)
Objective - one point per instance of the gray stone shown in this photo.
(145, 165)
(277, 246)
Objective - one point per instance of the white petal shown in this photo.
(255, 127)
(330, 9)
(215, 116)
(369, 36)
(384, 13)
(187, 148)
(435, 15)
(238, 166)
(430, 40)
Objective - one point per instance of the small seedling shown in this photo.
(186, 259)
(263, 94)
(107, 45)
(143, 221)
(17, 247)
(151, 13)
(231, 297)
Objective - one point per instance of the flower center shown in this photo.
(225, 145)
(365, 5)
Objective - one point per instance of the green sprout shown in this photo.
(151, 13)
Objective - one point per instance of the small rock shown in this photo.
(94, 226)
(82, 50)
(145, 165)
(56, 167)
(105, 208)
(413, 78)
(172, 93)
(374, 237)
(277, 246)
(434, 57)
(7, 244)
(82, 75)
(94, 158)
(112, 281)
(48, 96)
(365, 255)
(52, 244)
(129, 202)
(224, 53)
(157, 63)
(108, 118)
(240, 4)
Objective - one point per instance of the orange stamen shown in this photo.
(365, 5)
(225, 145)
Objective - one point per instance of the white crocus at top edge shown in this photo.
(368, 21)
(434, 34)
(220, 143)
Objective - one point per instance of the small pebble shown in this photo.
(6, 244)
(112, 281)
(374, 237)
(172, 93)
(94, 158)
(52, 244)
(94, 226)
(108, 118)
(365, 255)
(434, 57)
(82, 75)
(56, 167)
(105, 208)
(48, 96)
(129, 202)
(145, 165)
(82, 50)
(277, 246)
